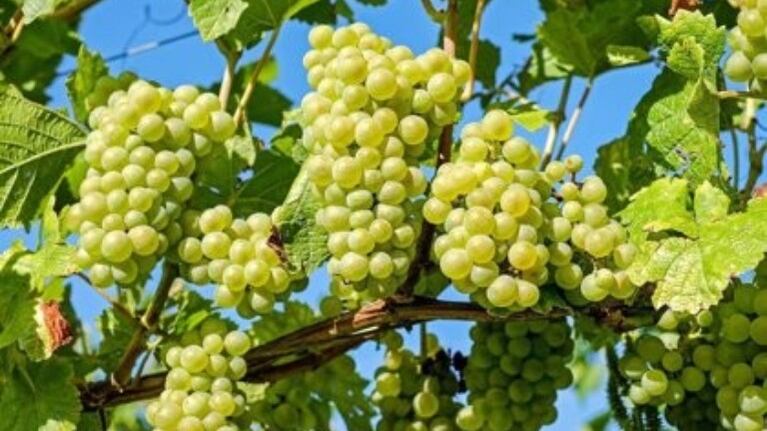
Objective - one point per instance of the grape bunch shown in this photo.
(415, 393)
(513, 374)
(748, 61)
(141, 155)
(373, 110)
(709, 370)
(239, 255)
(508, 230)
(200, 387)
(299, 402)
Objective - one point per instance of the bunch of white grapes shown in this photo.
(200, 387)
(239, 255)
(710, 374)
(414, 393)
(748, 61)
(508, 229)
(374, 109)
(300, 402)
(141, 154)
(513, 374)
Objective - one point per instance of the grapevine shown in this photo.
(327, 230)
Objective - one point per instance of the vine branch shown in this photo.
(435, 15)
(136, 345)
(231, 58)
(253, 80)
(316, 344)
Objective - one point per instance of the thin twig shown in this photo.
(149, 320)
(556, 122)
(435, 15)
(735, 158)
(253, 80)
(574, 118)
(73, 9)
(476, 24)
(310, 345)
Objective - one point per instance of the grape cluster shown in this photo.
(373, 110)
(299, 402)
(513, 374)
(415, 394)
(709, 370)
(141, 155)
(200, 388)
(748, 61)
(508, 230)
(237, 254)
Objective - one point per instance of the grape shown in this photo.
(416, 392)
(512, 368)
(194, 386)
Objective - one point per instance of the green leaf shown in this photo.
(541, 67)
(711, 203)
(690, 273)
(265, 15)
(530, 116)
(34, 9)
(31, 397)
(191, 310)
(215, 18)
(304, 241)
(644, 214)
(273, 175)
(17, 308)
(583, 35)
(36, 147)
(90, 67)
(624, 168)
(622, 55)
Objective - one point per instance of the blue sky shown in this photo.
(114, 25)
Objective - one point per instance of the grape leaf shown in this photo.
(542, 66)
(582, 35)
(690, 272)
(644, 214)
(215, 18)
(265, 15)
(304, 240)
(36, 146)
(191, 310)
(90, 67)
(273, 175)
(34, 9)
(33, 396)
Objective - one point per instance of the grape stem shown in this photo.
(435, 15)
(149, 320)
(733, 94)
(755, 152)
(239, 114)
(231, 57)
(556, 121)
(476, 24)
(316, 344)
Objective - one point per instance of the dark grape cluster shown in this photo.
(416, 393)
(513, 374)
(239, 255)
(510, 228)
(141, 155)
(373, 110)
(201, 386)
